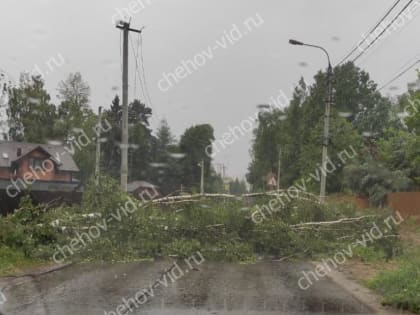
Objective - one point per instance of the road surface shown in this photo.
(208, 288)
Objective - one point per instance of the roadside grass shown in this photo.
(14, 261)
(397, 280)
(400, 286)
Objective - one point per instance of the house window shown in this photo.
(15, 168)
(35, 163)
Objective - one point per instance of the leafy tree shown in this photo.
(409, 103)
(358, 110)
(344, 145)
(269, 135)
(84, 152)
(164, 139)
(279, 134)
(400, 150)
(111, 155)
(355, 98)
(374, 180)
(76, 122)
(73, 111)
(166, 170)
(237, 187)
(291, 146)
(30, 111)
(141, 141)
(214, 183)
(193, 145)
(75, 91)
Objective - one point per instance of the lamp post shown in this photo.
(326, 118)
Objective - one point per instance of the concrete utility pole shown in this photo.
(125, 26)
(326, 135)
(202, 178)
(98, 148)
(329, 100)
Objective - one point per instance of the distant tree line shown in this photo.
(160, 159)
(385, 134)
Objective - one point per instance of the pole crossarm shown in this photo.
(129, 29)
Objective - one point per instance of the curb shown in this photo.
(39, 271)
(361, 293)
(7, 281)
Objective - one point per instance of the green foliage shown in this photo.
(219, 229)
(230, 250)
(375, 181)
(297, 130)
(30, 111)
(182, 248)
(111, 157)
(400, 150)
(194, 144)
(409, 103)
(104, 199)
(30, 231)
(369, 254)
(238, 187)
(167, 173)
(142, 143)
(33, 118)
(10, 259)
(265, 150)
(401, 287)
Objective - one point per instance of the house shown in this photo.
(48, 171)
(143, 190)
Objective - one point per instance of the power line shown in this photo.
(398, 75)
(141, 74)
(384, 30)
(409, 62)
(144, 73)
(137, 73)
(372, 30)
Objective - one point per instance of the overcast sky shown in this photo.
(235, 74)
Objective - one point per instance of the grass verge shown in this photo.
(400, 286)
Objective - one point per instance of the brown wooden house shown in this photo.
(47, 171)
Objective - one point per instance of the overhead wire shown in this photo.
(372, 30)
(399, 75)
(384, 30)
(136, 73)
(143, 71)
(140, 72)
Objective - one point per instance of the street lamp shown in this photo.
(326, 118)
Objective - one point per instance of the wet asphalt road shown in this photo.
(262, 288)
